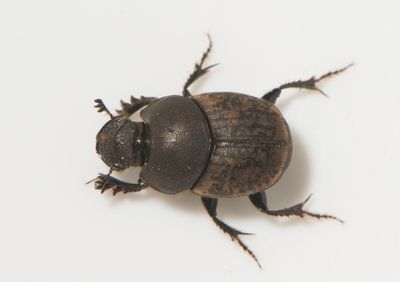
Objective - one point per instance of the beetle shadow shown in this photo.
(292, 187)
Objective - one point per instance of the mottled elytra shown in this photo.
(217, 145)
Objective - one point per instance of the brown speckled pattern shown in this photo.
(252, 145)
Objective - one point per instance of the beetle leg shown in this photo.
(211, 206)
(259, 200)
(309, 84)
(105, 182)
(134, 105)
(198, 69)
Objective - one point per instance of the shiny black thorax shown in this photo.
(178, 142)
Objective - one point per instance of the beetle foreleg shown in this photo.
(259, 200)
(309, 84)
(105, 182)
(134, 105)
(198, 69)
(211, 206)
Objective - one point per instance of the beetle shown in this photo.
(218, 145)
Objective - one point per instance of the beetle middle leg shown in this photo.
(198, 69)
(309, 84)
(211, 206)
(105, 182)
(259, 200)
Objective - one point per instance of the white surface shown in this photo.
(56, 57)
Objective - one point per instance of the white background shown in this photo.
(56, 57)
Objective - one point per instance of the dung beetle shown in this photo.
(218, 145)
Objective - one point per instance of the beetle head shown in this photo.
(120, 143)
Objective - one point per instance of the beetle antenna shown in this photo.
(102, 108)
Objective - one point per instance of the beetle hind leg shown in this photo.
(198, 69)
(309, 84)
(259, 200)
(211, 206)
